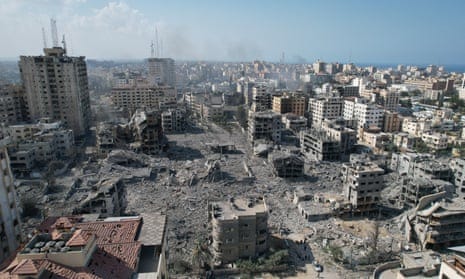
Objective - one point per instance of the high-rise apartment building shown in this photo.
(56, 87)
(162, 71)
(10, 228)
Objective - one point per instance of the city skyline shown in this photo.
(339, 31)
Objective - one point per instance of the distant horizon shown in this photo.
(207, 30)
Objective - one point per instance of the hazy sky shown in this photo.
(376, 31)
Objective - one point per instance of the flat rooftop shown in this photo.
(229, 210)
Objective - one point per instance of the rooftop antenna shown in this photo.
(156, 41)
(53, 24)
(44, 38)
(64, 43)
(152, 50)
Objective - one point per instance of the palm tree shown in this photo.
(201, 255)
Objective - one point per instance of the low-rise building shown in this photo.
(435, 141)
(239, 229)
(76, 247)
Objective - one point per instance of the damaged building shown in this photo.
(146, 132)
(173, 120)
(265, 126)
(363, 183)
(436, 222)
(415, 188)
(318, 145)
(239, 229)
(286, 164)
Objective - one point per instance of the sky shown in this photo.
(360, 31)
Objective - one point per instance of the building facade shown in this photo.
(56, 87)
(239, 229)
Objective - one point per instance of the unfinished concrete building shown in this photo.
(286, 164)
(436, 223)
(264, 126)
(415, 188)
(317, 145)
(363, 183)
(239, 229)
(458, 168)
(146, 131)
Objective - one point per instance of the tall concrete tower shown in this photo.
(56, 86)
(10, 228)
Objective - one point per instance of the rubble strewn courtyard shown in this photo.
(190, 173)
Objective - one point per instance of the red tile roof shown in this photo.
(116, 256)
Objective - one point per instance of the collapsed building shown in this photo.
(239, 229)
(286, 164)
(363, 183)
(33, 144)
(420, 166)
(319, 206)
(415, 188)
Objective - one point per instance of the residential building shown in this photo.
(435, 141)
(10, 233)
(262, 99)
(142, 96)
(318, 145)
(416, 127)
(83, 246)
(363, 183)
(56, 87)
(289, 104)
(265, 125)
(348, 90)
(105, 139)
(458, 169)
(366, 114)
(326, 108)
(388, 99)
(13, 108)
(239, 229)
(162, 71)
(392, 122)
(338, 130)
(294, 122)
(437, 223)
(173, 120)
